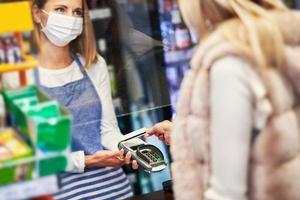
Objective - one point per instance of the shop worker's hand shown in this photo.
(162, 130)
(128, 160)
(109, 159)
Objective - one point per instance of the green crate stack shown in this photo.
(46, 128)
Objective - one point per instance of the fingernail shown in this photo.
(119, 158)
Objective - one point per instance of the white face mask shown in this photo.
(61, 29)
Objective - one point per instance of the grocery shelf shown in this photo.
(30, 160)
(35, 170)
(173, 57)
(28, 63)
(29, 189)
(15, 17)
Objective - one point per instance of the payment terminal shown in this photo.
(148, 156)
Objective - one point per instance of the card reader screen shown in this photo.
(134, 148)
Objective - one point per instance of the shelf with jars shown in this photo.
(12, 56)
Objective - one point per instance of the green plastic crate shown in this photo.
(51, 126)
(43, 123)
(45, 126)
(52, 165)
(17, 94)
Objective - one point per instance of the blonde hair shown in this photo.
(84, 45)
(245, 23)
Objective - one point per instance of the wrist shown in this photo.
(89, 161)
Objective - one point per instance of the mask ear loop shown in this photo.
(41, 24)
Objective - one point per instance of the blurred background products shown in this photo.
(13, 148)
(10, 50)
(178, 44)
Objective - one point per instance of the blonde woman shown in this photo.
(236, 133)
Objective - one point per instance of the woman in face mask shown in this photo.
(236, 132)
(71, 72)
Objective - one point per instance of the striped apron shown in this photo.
(81, 99)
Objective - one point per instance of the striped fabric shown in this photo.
(101, 183)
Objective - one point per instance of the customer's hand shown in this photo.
(109, 159)
(162, 130)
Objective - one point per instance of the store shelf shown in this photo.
(28, 63)
(15, 17)
(174, 57)
(103, 13)
(29, 189)
(31, 159)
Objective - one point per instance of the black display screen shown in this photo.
(134, 148)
